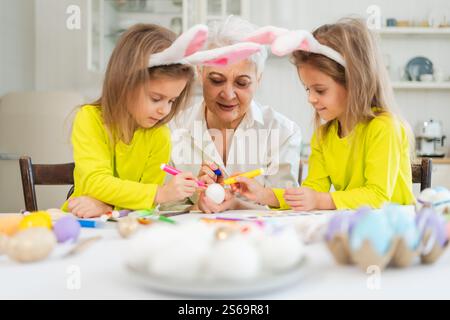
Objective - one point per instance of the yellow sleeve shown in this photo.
(160, 153)
(381, 169)
(279, 194)
(94, 167)
(318, 178)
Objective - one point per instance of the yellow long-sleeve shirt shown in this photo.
(123, 175)
(370, 166)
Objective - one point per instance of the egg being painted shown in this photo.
(36, 219)
(216, 193)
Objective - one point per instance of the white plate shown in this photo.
(220, 289)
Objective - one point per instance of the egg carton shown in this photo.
(398, 255)
(429, 231)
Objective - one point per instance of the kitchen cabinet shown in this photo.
(108, 19)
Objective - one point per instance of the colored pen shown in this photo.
(250, 174)
(88, 223)
(174, 172)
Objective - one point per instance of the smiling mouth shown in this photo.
(321, 109)
(227, 107)
(154, 119)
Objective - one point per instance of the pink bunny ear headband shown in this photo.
(185, 50)
(284, 42)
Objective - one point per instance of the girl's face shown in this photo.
(228, 91)
(327, 97)
(155, 100)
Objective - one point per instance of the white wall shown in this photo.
(280, 87)
(17, 41)
(61, 53)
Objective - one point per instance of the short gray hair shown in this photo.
(233, 30)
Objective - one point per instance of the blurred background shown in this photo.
(53, 55)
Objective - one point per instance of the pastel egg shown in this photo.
(428, 220)
(31, 245)
(404, 225)
(127, 226)
(234, 259)
(338, 224)
(375, 228)
(9, 223)
(67, 228)
(216, 193)
(36, 219)
(3, 243)
(427, 195)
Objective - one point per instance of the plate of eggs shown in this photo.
(217, 260)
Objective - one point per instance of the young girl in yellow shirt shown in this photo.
(360, 146)
(121, 140)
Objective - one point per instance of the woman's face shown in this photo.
(155, 100)
(228, 91)
(327, 97)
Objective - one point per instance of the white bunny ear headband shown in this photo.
(185, 50)
(284, 42)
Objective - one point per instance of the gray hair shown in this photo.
(233, 30)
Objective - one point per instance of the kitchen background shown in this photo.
(50, 61)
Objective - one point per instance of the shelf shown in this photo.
(416, 85)
(414, 31)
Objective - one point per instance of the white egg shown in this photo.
(184, 260)
(281, 251)
(147, 243)
(216, 193)
(234, 259)
(427, 195)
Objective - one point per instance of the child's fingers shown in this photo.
(208, 171)
(293, 191)
(293, 197)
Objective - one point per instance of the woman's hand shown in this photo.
(207, 175)
(306, 199)
(254, 191)
(208, 206)
(87, 207)
(181, 186)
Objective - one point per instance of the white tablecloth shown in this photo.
(104, 276)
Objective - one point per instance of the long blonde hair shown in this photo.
(128, 71)
(365, 77)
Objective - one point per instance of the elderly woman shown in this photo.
(228, 130)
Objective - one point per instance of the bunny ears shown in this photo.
(185, 50)
(284, 42)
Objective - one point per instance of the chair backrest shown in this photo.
(42, 174)
(421, 173)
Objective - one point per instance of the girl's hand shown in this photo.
(254, 191)
(87, 207)
(208, 206)
(306, 199)
(207, 175)
(181, 186)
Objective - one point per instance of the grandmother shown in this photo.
(228, 130)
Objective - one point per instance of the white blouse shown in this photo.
(264, 139)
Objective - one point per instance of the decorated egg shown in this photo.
(9, 223)
(127, 226)
(338, 224)
(403, 225)
(67, 228)
(375, 228)
(3, 243)
(429, 220)
(234, 259)
(32, 244)
(216, 193)
(36, 219)
(281, 251)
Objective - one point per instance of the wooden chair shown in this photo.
(43, 174)
(421, 173)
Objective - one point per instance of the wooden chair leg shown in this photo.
(29, 193)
